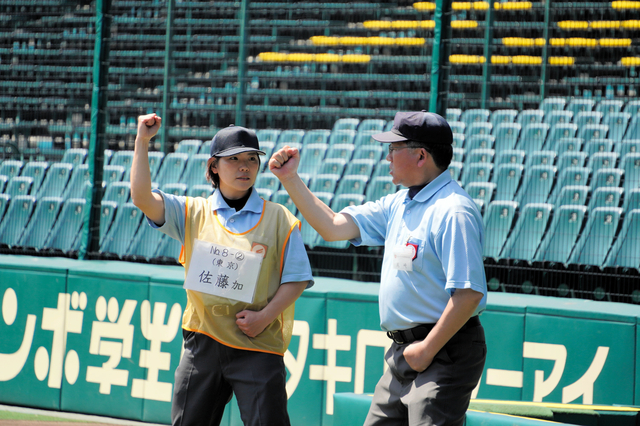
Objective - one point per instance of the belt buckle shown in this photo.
(392, 335)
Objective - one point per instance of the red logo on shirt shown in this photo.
(260, 249)
(415, 250)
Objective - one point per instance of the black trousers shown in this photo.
(437, 396)
(208, 375)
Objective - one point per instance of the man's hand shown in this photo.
(251, 323)
(148, 126)
(284, 163)
(417, 356)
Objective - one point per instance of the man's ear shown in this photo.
(423, 157)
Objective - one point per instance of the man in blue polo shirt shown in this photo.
(433, 284)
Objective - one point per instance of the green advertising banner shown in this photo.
(105, 338)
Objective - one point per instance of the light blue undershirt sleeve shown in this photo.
(174, 216)
(372, 221)
(296, 262)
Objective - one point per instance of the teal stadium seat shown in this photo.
(572, 159)
(503, 116)
(324, 183)
(478, 128)
(632, 107)
(498, 221)
(316, 136)
(189, 146)
(479, 142)
(106, 158)
(562, 235)
(370, 152)
(627, 147)
(107, 213)
(177, 189)
(341, 137)
(371, 125)
(532, 137)
(631, 200)
(458, 140)
(363, 139)
(205, 148)
(124, 159)
(560, 131)
(507, 178)
(506, 135)
(171, 168)
(527, 234)
(597, 237)
(333, 166)
(345, 124)
(530, 116)
(168, 248)
(552, 104)
(119, 192)
(382, 169)
(509, 156)
(282, 197)
(67, 228)
(311, 157)
(618, 123)
(203, 191)
(630, 164)
(43, 220)
(607, 178)
(145, 242)
(567, 145)
(573, 195)
(124, 228)
(352, 185)
(476, 172)
(608, 106)
(453, 114)
(541, 158)
(289, 137)
(592, 131)
(74, 156)
(3, 183)
(602, 160)
(480, 155)
(578, 105)
(360, 167)
(11, 168)
(458, 155)
(16, 219)
(267, 181)
(570, 176)
(111, 174)
(455, 169)
(558, 117)
(55, 182)
(264, 135)
(584, 118)
(36, 170)
(606, 197)
(80, 180)
(194, 170)
(536, 185)
(457, 127)
(155, 160)
(481, 191)
(4, 203)
(633, 131)
(625, 251)
(379, 187)
(475, 115)
(19, 185)
(338, 203)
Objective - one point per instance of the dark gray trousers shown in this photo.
(439, 396)
(209, 373)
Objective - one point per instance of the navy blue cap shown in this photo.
(234, 140)
(421, 126)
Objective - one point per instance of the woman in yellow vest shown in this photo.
(245, 265)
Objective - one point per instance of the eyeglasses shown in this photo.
(397, 148)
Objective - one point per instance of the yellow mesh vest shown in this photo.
(216, 316)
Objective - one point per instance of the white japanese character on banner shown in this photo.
(66, 318)
(154, 359)
(119, 327)
(11, 364)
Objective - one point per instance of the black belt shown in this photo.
(419, 332)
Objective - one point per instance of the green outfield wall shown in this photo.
(104, 338)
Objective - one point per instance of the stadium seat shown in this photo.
(541, 158)
(608, 177)
(168, 248)
(379, 187)
(311, 157)
(558, 117)
(316, 136)
(601, 160)
(177, 189)
(455, 168)
(309, 235)
(264, 135)
(592, 131)
(203, 191)
(481, 191)
(528, 232)
(578, 105)
(582, 119)
(475, 115)
(552, 104)
(477, 128)
(633, 131)
(352, 185)
(4, 203)
(345, 124)
(458, 155)
(631, 200)
(189, 146)
(608, 106)
(632, 107)
(171, 168)
(382, 168)
(573, 195)
(476, 172)
(558, 242)
(567, 145)
(361, 167)
(265, 194)
(124, 159)
(507, 179)
(572, 159)
(55, 182)
(124, 228)
(194, 170)
(371, 124)
(570, 176)
(16, 219)
(364, 139)
(333, 166)
(618, 123)
(36, 170)
(560, 131)
(205, 148)
(530, 116)
(343, 151)
(42, 222)
(11, 168)
(498, 221)
(532, 137)
(457, 127)
(145, 242)
(69, 224)
(106, 159)
(107, 213)
(338, 202)
(458, 140)
(627, 147)
(503, 116)
(324, 183)
(630, 164)
(480, 155)
(479, 142)
(74, 156)
(288, 137)
(78, 183)
(597, 237)
(606, 197)
(282, 197)
(110, 174)
(3, 183)
(371, 152)
(506, 136)
(268, 181)
(625, 251)
(119, 192)
(155, 161)
(536, 185)
(509, 156)
(19, 185)
(453, 114)
(339, 137)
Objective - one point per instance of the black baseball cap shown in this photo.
(420, 126)
(234, 140)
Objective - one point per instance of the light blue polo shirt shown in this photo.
(296, 262)
(446, 226)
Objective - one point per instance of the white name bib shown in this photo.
(403, 258)
(223, 271)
